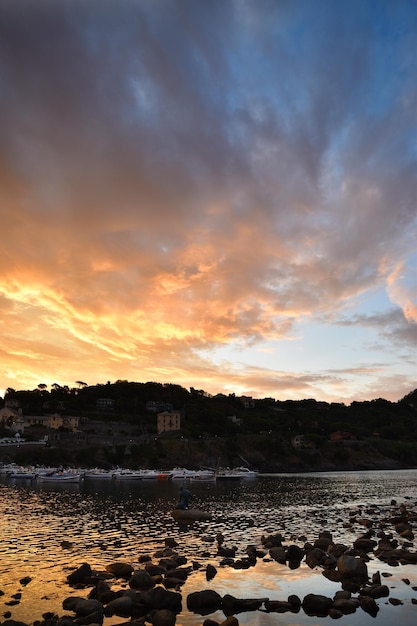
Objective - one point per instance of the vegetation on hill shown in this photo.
(375, 433)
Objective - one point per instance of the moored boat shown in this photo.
(60, 476)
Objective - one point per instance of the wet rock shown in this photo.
(160, 598)
(93, 619)
(316, 605)
(395, 601)
(316, 557)
(120, 570)
(211, 572)
(346, 606)
(369, 605)
(352, 567)
(155, 570)
(324, 540)
(85, 608)
(277, 606)
(141, 579)
(231, 605)
(364, 544)
(203, 602)
(375, 591)
(122, 607)
(295, 602)
(80, 575)
(272, 541)
(227, 552)
(278, 553)
(102, 592)
(25, 581)
(163, 617)
(230, 621)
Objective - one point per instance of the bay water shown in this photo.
(48, 530)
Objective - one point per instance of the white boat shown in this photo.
(203, 476)
(8, 468)
(22, 473)
(98, 474)
(60, 476)
(237, 473)
(128, 474)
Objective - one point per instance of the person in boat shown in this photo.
(185, 497)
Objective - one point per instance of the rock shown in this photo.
(279, 555)
(163, 617)
(272, 540)
(211, 571)
(352, 567)
(122, 607)
(160, 598)
(316, 605)
(231, 605)
(141, 579)
(80, 575)
(294, 554)
(295, 602)
(277, 606)
(102, 592)
(315, 557)
(364, 544)
(375, 591)
(346, 606)
(25, 581)
(324, 541)
(203, 602)
(230, 621)
(120, 570)
(369, 605)
(86, 607)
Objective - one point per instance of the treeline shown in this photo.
(223, 415)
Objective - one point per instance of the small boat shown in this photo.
(190, 515)
(203, 476)
(98, 474)
(22, 473)
(237, 473)
(64, 476)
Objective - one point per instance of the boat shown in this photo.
(61, 476)
(190, 515)
(237, 473)
(22, 473)
(245, 472)
(203, 476)
(141, 474)
(98, 474)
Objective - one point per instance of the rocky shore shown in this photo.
(151, 593)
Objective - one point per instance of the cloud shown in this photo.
(180, 176)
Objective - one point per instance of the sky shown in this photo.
(219, 194)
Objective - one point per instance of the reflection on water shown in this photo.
(47, 530)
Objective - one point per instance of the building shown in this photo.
(105, 404)
(167, 421)
(58, 421)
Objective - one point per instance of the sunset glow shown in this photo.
(215, 194)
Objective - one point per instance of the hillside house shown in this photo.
(167, 421)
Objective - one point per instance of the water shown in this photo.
(103, 522)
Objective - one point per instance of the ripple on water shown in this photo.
(121, 524)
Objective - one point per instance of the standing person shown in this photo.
(185, 497)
